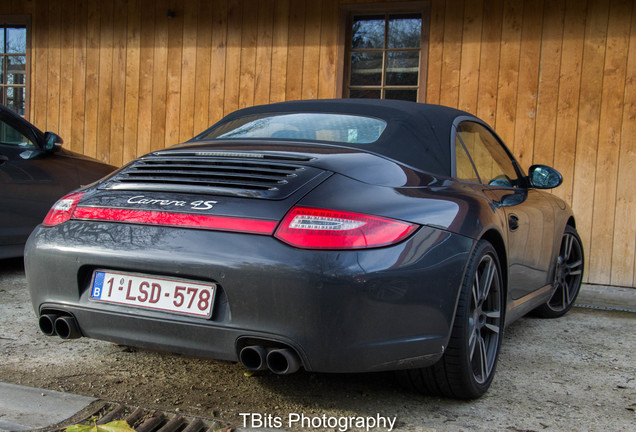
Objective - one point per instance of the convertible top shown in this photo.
(416, 134)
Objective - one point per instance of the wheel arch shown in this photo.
(571, 222)
(496, 240)
(454, 375)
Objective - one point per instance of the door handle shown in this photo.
(3, 159)
(513, 222)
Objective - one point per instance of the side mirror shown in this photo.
(544, 177)
(51, 139)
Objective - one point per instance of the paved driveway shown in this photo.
(574, 373)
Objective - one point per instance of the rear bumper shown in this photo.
(350, 311)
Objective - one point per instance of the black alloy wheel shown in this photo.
(568, 275)
(467, 367)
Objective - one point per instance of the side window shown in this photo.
(463, 164)
(11, 136)
(494, 166)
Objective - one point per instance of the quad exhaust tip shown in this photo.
(64, 326)
(47, 324)
(281, 361)
(254, 358)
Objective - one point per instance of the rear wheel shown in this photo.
(568, 276)
(467, 367)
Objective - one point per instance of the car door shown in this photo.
(31, 180)
(528, 214)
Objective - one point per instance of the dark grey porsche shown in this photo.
(332, 235)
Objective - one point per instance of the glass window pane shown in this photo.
(1, 39)
(16, 69)
(492, 161)
(2, 70)
(305, 126)
(405, 31)
(365, 94)
(366, 68)
(9, 135)
(16, 40)
(463, 165)
(368, 32)
(15, 100)
(402, 68)
(407, 95)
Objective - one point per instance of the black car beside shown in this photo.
(35, 171)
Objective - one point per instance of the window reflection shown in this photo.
(402, 68)
(385, 56)
(492, 162)
(366, 69)
(408, 95)
(10, 136)
(368, 32)
(365, 94)
(405, 31)
(13, 49)
(16, 69)
(302, 126)
(16, 40)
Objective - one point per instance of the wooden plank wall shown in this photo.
(557, 81)
(120, 78)
(556, 78)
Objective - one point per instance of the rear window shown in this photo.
(303, 126)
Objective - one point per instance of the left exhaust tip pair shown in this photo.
(64, 326)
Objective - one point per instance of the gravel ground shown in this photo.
(574, 373)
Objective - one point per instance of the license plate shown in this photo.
(150, 292)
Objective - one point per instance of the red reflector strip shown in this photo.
(182, 220)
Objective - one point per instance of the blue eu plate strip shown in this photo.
(98, 285)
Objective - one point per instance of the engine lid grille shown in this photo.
(253, 175)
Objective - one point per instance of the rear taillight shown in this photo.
(311, 228)
(62, 210)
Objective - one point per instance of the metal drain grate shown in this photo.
(140, 419)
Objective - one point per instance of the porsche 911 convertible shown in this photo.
(330, 235)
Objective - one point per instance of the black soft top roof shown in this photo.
(416, 134)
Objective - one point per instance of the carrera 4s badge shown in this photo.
(194, 205)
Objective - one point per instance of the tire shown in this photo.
(467, 367)
(568, 275)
